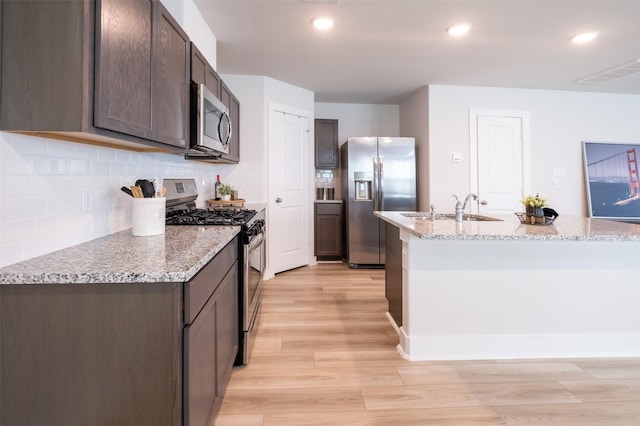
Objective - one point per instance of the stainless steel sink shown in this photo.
(469, 217)
(452, 216)
(417, 215)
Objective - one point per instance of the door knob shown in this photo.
(278, 200)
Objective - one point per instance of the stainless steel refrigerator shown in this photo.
(378, 174)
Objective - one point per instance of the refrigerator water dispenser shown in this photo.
(363, 185)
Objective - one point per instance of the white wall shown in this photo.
(559, 122)
(187, 14)
(255, 93)
(251, 176)
(361, 119)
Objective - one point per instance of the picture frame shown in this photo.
(612, 180)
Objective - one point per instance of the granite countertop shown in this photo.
(328, 201)
(567, 228)
(175, 256)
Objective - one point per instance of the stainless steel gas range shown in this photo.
(181, 211)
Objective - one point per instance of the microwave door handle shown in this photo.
(230, 128)
(200, 115)
(224, 117)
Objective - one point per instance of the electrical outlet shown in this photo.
(86, 200)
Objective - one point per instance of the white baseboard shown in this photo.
(433, 348)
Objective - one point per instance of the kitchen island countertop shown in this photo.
(565, 227)
(506, 290)
(175, 256)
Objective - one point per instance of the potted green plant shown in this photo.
(225, 192)
(534, 206)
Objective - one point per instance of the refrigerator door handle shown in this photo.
(375, 184)
(380, 192)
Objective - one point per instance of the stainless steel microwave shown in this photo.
(211, 125)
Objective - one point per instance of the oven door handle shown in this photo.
(256, 241)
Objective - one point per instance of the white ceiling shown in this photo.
(380, 51)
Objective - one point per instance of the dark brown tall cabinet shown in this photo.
(109, 72)
(326, 143)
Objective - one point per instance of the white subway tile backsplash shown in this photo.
(16, 230)
(110, 154)
(14, 163)
(89, 152)
(6, 210)
(10, 186)
(26, 144)
(78, 167)
(10, 252)
(50, 166)
(55, 148)
(41, 182)
(100, 168)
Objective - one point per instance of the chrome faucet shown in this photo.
(460, 207)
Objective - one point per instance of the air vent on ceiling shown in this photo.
(620, 71)
(319, 1)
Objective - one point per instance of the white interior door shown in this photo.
(501, 160)
(288, 190)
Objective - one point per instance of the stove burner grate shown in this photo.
(215, 216)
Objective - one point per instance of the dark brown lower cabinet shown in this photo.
(210, 336)
(115, 354)
(328, 231)
(393, 272)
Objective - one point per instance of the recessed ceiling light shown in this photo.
(584, 37)
(322, 22)
(458, 29)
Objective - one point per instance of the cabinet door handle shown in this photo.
(278, 200)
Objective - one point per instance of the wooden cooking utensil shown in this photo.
(136, 191)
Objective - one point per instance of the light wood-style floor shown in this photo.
(325, 355)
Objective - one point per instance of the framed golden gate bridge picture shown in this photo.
(613, 185)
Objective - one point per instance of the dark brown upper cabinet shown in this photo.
(108, 72)
(231, 102)
(203, 73)
(171, 84)
(326, 143)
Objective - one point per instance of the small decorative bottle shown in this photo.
(216, 190)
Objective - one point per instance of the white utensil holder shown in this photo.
(148, 216)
